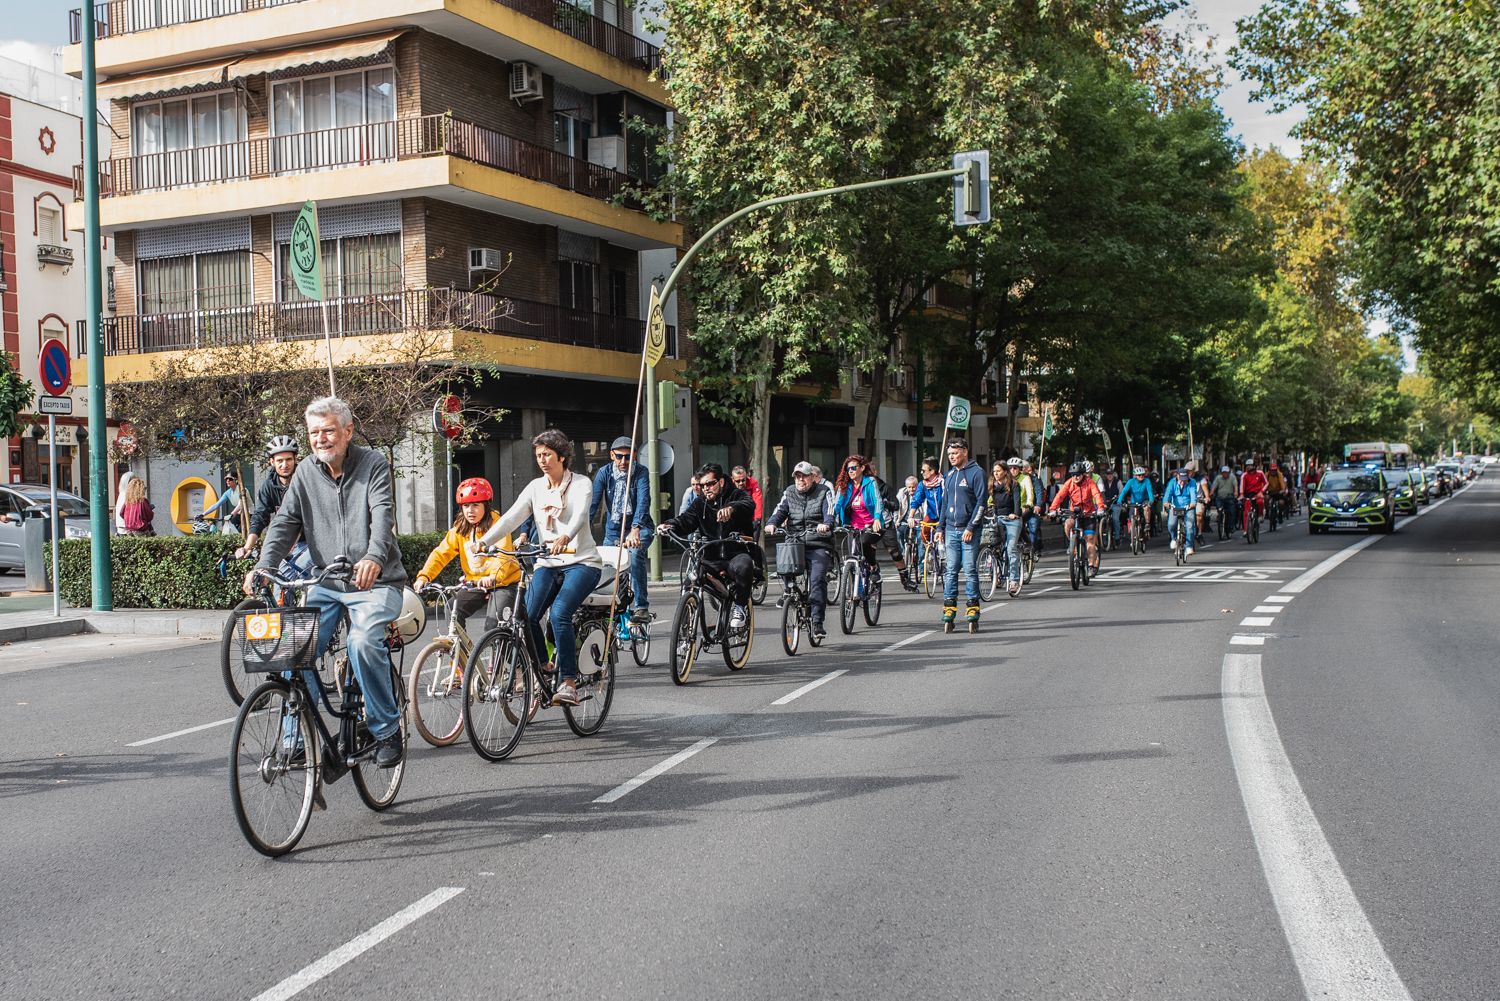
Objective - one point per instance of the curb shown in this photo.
(202, 625)
(50, 629)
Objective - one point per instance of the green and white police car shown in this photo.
(1355, 497)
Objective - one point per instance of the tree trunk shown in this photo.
(758, 444)
(872, 414)
(1013, 394)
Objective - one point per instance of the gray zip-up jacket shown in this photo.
(354, 516)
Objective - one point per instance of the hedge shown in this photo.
(183, 571)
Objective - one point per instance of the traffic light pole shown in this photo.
(99, 510)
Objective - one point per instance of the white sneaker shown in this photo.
(737, 617)
(1172, 546)
(1188, 551)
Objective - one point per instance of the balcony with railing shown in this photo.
(353, 146)
(115, 18)
(380, 313)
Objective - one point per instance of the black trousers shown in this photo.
(740, 569)
(466, 603)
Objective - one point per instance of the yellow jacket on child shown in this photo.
(504, 569)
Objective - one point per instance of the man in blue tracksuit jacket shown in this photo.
(963, 512)
(612, 493)
(1182, 492)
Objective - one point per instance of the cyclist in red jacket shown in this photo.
(1253, 487)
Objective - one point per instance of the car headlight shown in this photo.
(1378, 502)
(1320, 502)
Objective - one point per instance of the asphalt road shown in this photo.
(1078, 802)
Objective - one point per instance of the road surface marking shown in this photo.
(809, 687)
(1266, 609)
(626, 788)
(1044, 590)
(1337, 952)
(1257, 620)
(1281, 599)
(309, 975)
(897, 646)
(1238, 640)
(1312, 576)
(182, 733)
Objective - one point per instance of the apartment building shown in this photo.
(471, 161)
(41, 262)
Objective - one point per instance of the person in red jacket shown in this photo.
(1253, 487)
(742, 479)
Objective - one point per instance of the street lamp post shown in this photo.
(103, 582)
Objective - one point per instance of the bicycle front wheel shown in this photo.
(931, 579)
(872, 600)
(497, 695)
(848, 606)
(232, 650)
(684, 638)
(273, 768)
(791, 625)
(989, 572)
(1075, 560)
(596, 684)
(640, 643)
(737, 642)
(436, 693)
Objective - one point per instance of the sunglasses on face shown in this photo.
(853, 468)
(708, 483)
(619, 456)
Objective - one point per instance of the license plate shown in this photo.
(1346, 524)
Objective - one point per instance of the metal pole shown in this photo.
(921, 393)
(328, 341)
(104, 591)
(56, 541)
(653, 462)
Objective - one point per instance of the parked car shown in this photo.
(19, 501)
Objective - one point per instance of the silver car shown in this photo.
(33, 500)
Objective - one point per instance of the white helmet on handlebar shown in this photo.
(412, 618)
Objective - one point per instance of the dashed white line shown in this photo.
(1337, 952)
(1280, 599)
(181, 733)
(909, 640)
(309, 975)
(791, 696)
(1238, 640)
(1257, 620)
(1046, 589)
(625, 788)
(1266, 609)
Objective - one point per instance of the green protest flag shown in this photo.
(306, 253)
(1047, 425)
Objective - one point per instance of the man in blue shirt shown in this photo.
(958, 531)
(1181, 494)
(627, 497)
(1138, 490)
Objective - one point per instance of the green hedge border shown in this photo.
(182, 571)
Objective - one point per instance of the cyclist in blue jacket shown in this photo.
(1182, 493)
(1138, 490)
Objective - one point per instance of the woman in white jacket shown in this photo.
(558, 503)
(125, 479)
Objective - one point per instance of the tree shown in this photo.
(16, 395)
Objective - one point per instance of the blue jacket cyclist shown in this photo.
(963, 513)
(1181, 493)
(1138, 490)
(632, 499)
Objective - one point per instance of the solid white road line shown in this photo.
(1337, 952)
(309, 975)
(1312, 576)
(897, 646)
(791, 696)
(1238, 640)
(1257, 620)
(1046, 589)
(626, 788)
(181, 733)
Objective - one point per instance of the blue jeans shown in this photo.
(1192, 524)
(1114, 519)
(639, 561)
(957, 549)
(370, 614)
(1013, 548)
(559, 591)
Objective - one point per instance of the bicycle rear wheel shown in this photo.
(640, 642)
(684, 648)
(273, 768)
(872, 600)
(1028, 564)
(377, 786)
(497, 695)
(232, 650)
(436, 693)
(849, 604)
(791, 625)
(931, 582)
(596, 686)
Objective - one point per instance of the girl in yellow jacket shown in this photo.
(499, 575)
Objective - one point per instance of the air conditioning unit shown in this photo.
(608, 151)
(525, 82)
(486, 259)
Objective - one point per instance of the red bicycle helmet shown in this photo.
(475, 490)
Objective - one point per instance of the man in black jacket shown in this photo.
(723, 512)
(281, 454)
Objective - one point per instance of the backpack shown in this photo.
(137, 516)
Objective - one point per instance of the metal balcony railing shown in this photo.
(352, 146)
(350, 316)
(123, 17)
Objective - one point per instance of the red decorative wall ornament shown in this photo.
(47, 140)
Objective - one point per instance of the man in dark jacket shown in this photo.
(805, 511)
(281, 454)
(963, 512)
(341, 503)
(724, 512)
(631, 500)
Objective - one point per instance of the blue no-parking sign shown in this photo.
(55, 367)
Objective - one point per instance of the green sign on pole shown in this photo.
(958, 413)
(307, 257)
(1047, 425)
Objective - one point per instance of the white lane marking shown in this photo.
(309, 975)
(1046, 589)
(791, 696)
(898, 646)
(1247, 640)
(1267, 609)
(1257, 620)
(1280, 599)
(181, 733)
(625, 788)
(1337, 952)
(1312, 576)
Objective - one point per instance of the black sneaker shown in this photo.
(389, 751)
(818, 631)
(641, 616)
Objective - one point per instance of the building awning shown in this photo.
(221, 71)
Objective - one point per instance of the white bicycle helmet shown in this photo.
(281, 443)
(1014, 462)
(412, 618)
(1088, 466)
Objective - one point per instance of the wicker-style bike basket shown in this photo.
(278, 639)
(990, 533)
(791, 559)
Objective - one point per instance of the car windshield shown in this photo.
(1350, 479)
(70, 505)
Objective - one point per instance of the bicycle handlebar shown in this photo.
(340, 567)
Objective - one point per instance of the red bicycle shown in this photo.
(1254, 505)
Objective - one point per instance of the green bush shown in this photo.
(183, 571)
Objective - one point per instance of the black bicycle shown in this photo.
(1179, 535)
(507, 681)
(282, 750)
(859, 586)
(1078, 550)
(704, 616)
(796, 598)
(270, 593)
